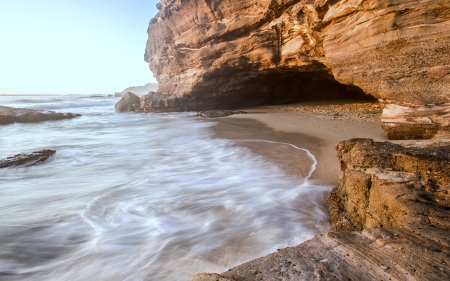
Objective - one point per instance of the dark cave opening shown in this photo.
(285, 90)
(281, 87)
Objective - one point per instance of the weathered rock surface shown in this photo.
(29, 159)
(229, 54)
(155, 102)
(10, 115)
(385, 184)
(409, 121)
(399, 195)
(128, 103)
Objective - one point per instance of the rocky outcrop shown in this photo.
(156, 102)
(10, 115)
(385, 184)
(128, 103)
(228, 54)
(399, 198)
(29, 159)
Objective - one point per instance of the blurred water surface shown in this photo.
(143, 196)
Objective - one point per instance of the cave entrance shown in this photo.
(288, 88)
(231, 88)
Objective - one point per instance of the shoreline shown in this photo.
(318, 134)
(382, 212)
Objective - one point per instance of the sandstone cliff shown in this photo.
(227, 54)
(398, 195)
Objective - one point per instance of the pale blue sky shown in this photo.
(73, 46)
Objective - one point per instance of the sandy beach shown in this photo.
(317, 127)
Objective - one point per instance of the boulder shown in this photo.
(127, 103)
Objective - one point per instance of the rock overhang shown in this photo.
(226, 53)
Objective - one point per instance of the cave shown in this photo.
(275, 87)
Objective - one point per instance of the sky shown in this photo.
(73, 46)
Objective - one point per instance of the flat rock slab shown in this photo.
(10, 115)
(210, 277)
(29, 159)
(218, 113)
(376, 254)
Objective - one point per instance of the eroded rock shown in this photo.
(29, 159)
(392, 253)
(408, 121)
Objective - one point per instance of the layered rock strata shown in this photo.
(228, 54)
(10, 115)
(409, 121)
(400, 199)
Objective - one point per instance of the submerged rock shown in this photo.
(399, 198)
(29, 159)
(219, 113)
(10, 115)
(128, 103)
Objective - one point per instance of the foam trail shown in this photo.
(313, 167)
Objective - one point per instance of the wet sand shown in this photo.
(317, 133)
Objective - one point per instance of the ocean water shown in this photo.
(144, 196)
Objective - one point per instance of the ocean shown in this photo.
(144, 196)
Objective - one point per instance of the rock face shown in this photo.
(29, 159)
(128, 102)
(10, 115)
(398, 196)
(228, 54)
(385, 184)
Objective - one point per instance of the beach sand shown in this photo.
(319, 133)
